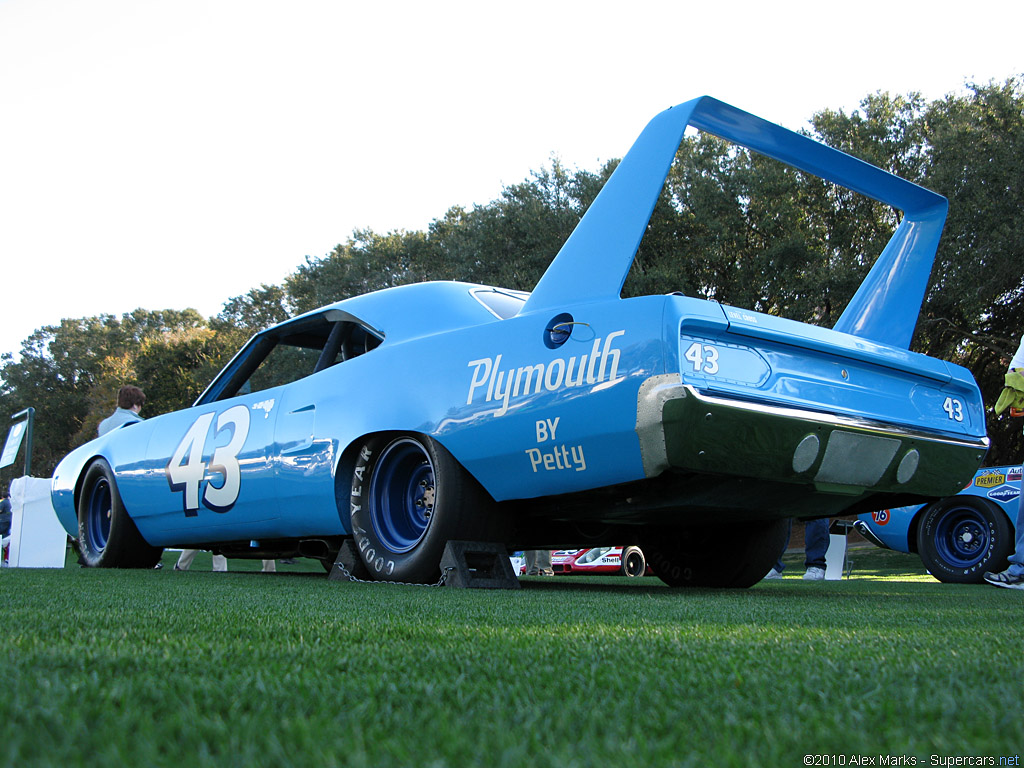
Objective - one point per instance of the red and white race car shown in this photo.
(629, 561)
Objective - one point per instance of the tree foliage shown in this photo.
(70, 372)
(974, 313)
(729, 225)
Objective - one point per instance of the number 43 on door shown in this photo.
(186, 471)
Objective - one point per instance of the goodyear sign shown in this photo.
(1004, 494)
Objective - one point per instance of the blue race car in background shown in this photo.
(958, 537)
(567, 417)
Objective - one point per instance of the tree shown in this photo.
(509, 242)
(974, 313)
(254, 311)
(70, 374)
(366, 263)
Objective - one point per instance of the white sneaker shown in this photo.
(814, 574)
(773, 574)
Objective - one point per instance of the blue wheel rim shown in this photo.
(402, 495)
(962, 537)
(99, 508)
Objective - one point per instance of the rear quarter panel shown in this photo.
(525, 419)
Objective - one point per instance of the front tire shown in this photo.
(961, 537)
(107, 536)
(409, 498)
(721, 556)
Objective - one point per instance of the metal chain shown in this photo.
(440, 583)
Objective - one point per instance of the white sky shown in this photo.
(174, 154)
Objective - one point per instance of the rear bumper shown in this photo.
(681, 428)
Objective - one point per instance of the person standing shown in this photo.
(1013, 576)
(130, 400)
(538, 562)
(816, 539)
(220, 563)
(5, 525)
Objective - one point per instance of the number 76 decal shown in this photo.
(186, 470)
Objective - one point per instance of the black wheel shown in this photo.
(961, 537)
(737, 555)
(107, 536)
(409, 498)
(633, 562)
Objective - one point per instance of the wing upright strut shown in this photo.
(594, 261)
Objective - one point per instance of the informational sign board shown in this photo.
(13, 444)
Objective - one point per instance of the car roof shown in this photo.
(412, 311)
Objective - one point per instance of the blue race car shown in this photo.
(568, 417)
(958, 537)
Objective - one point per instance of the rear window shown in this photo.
(504, 304)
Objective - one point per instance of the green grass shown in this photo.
(157, 668)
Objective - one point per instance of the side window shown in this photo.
(292, 352)
(285, 363)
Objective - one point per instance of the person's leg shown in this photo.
(1013, 576)
(530, 556)
(779, 567)
(544, 562)
(270, 566)
(538, 562)
(1017, 558)
(185, 560)
(220, 563)
(815, 543)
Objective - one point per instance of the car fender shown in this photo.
(897, 528)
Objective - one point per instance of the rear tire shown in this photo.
(107, 536)
(410, 497)
(721, 556)
(633, 562)
(961, 537)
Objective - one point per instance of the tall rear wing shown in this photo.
(596, 258)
